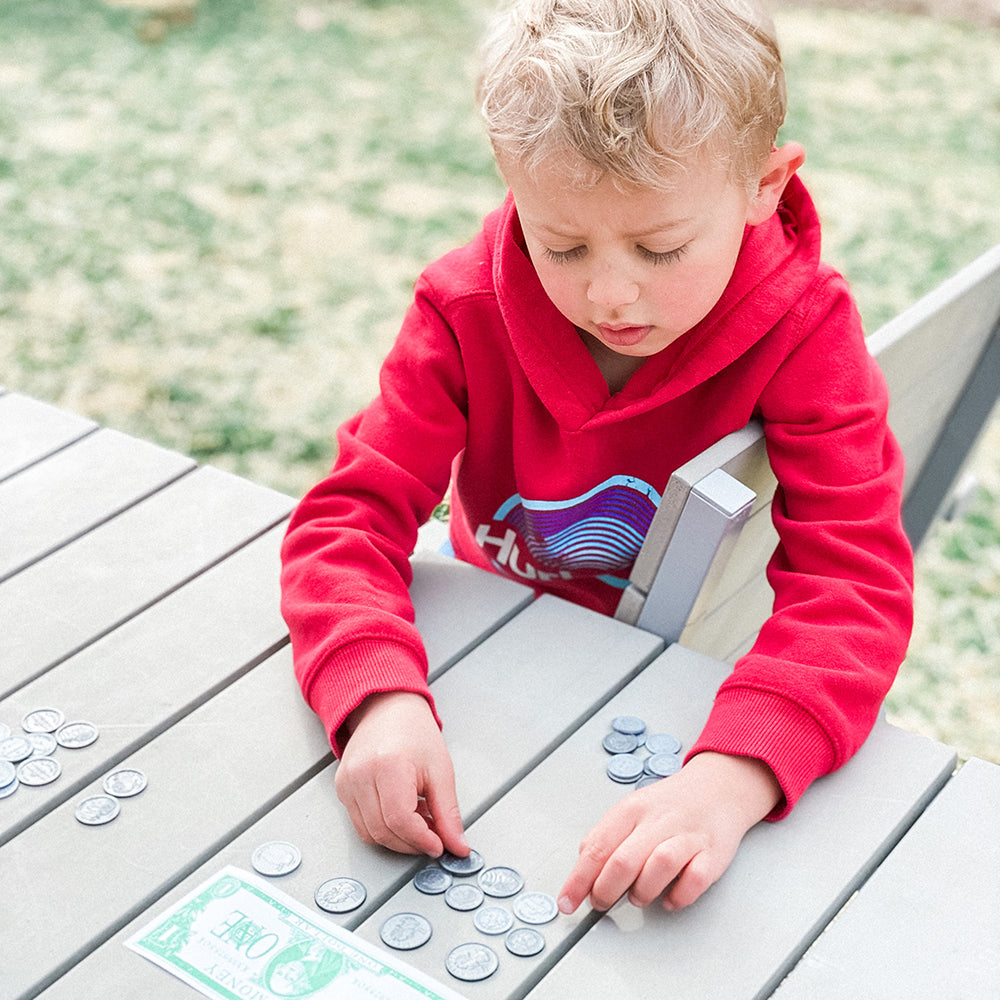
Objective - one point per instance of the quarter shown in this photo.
(39, 771)
(464, 896)
(406, 931)
(97, 810)
(15, 749)
(125, 783)
(493, 920)
(461, 866)
(500, 881)
(43, 720)
(74, 735)
(340, 894)
(277, 857)
(432, 880)
(472, 962)
(524, 942)
(535, 908)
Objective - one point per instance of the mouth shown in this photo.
(622, 335)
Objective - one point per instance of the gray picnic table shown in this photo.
(139, 592)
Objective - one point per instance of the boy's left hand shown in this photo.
(673, 838)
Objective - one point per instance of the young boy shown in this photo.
(651, 283)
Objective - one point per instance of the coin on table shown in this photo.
(472, 962)
(630, 724)
(624, 768)
(616, 742)
(464, 896)
(276, 858)
(43, 720)
(39, 771)
(493, 920)
(432, 880)
(663, 743)
(42, 744)
(535, 908)
(662, 765)
(646, 780)
(340, 894)
(15, 749)
(98, 810)
(125, 783)
(9, 789)
(500, 881)
(8, 779)
(524, 942)
(74, 735)
(406, 931)
(461, 866)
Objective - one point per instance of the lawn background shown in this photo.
(211, 230)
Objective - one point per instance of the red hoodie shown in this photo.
(555, 482)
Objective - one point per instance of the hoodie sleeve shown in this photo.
(807, 694)
(345, 558)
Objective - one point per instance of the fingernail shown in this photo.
(566, 905)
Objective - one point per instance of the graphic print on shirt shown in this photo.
(596, 534)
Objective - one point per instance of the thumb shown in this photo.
(446, 818)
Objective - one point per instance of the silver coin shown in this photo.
(524, 942)
(42, 744)
(616, 742)
(15, 749)
(535, 908)
(662, 765)
(406, 931)
(624, 768)
(493, 920)
(663, 743)
(276, 858)
(646, 780)
(39, 771)
(464, 896)
(630, 724)
(500, 882)
(461, 866)
(472, 962)
(340, 894)
(9, 788)
(74, 735)
(98, 810)
(8, 772)
(125, 783)
(432, 880)
(43, 720)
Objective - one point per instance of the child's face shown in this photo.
(634, 268)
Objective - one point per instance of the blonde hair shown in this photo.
(633, 88)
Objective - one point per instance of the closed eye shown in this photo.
(565, 256)
(667, 257)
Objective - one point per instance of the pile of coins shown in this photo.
(450, 878)
(26, 757)
(637, 757)
(96, 810)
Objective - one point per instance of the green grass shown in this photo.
(210, 242)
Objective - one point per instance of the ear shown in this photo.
(778, 171)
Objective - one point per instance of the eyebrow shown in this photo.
(661, 227)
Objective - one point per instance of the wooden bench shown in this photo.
(700, 576)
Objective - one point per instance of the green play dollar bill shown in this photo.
(235, 937)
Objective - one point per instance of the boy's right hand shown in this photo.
(396, 779)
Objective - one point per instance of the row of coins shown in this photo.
(638, 757)
(26, 757)
(450, 878)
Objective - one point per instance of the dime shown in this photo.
(663, 743)
(624, 768)
(662, 765)
(432, 880)
(461, 866)
(98, 810)
(125, 783)
(524, 942)
(406, 931)
(74, 735)
(493, 920)
(43, 720)
(276, 858)
(15, 749)
(472, 962)
(464, 896)
(630, 724)
(42, 744)
(535, 908)
(340, 894)
(616, 742)
(39, 771)
(500, 882)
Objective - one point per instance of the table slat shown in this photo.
(927, 923)
(30, 430)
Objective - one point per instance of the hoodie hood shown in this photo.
(778, 261)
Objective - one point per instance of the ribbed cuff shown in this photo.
(355, 671)
(749, 722)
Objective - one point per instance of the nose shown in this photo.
(611, 289)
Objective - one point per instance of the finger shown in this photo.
(619, 873)
(446, 818)
(595, 851)
(666, 861)
(699, 873)
(405, 828)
